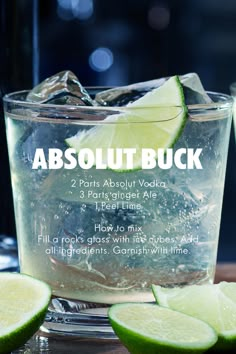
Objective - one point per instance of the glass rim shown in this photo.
(226, 99)
(208, 111)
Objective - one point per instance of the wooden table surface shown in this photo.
(42, 345)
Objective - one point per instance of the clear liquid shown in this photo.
(78, 232)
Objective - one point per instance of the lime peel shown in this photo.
(214, 304)
(149, 328)
(23, 305)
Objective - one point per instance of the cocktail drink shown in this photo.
(112, 197)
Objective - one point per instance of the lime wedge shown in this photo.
(23, 305)
(154, 121)
(148, 328)
(214, 304)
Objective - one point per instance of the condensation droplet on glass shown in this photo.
(180, 268)
(83, 207)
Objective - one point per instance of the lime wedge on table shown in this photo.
(154, 121)
(148, 328)
(23, 305)
(214, 304)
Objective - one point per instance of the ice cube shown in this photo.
(193, 90)
(61, 88)
(120, 96)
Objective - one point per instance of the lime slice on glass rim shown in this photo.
(149, 328)
(23, 305)
(213, 303)
(154, 121)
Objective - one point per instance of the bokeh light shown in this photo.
(101, 59)
(75, 9)
(159, 17)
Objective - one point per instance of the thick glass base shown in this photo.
(78, 318)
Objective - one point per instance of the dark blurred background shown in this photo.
(115, 43)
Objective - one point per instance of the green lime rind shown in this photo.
(20, 336)
(184, 113)
(155, 121)
(213, 304)
(15, 334)
(134, 331)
